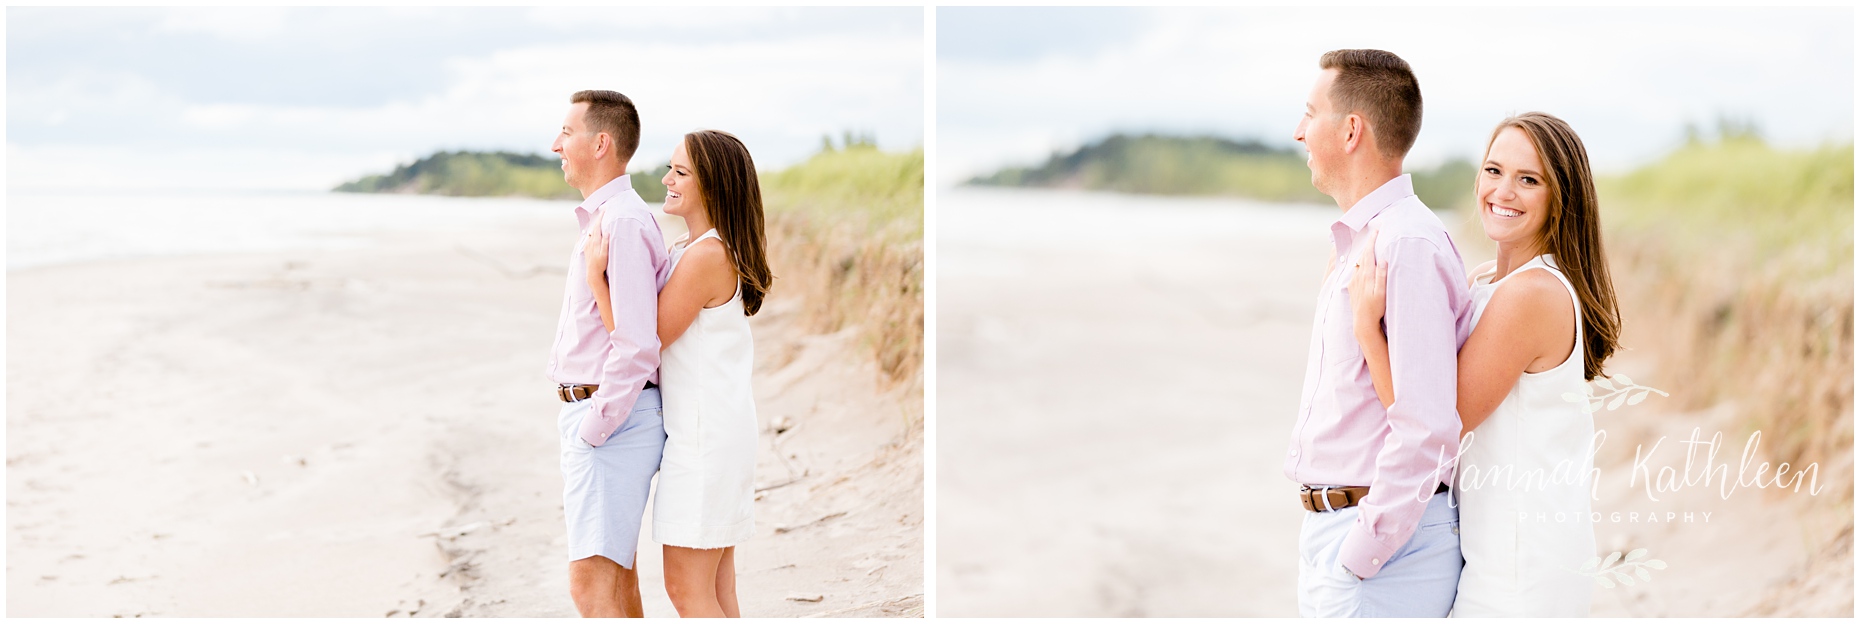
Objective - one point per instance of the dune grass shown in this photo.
(846, 235)
(1733, 261)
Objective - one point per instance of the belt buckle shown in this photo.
(562, 392)
(1322, 493)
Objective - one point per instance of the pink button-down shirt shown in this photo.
(1343, 436)
(637, 265)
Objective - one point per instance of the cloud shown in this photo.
(240, 24)
(851, 69)
(1628, 79)
(1004, 33)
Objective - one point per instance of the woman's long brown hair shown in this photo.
(733, 200)
(1572, 231)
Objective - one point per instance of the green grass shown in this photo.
(1743, 189)
(882, 187)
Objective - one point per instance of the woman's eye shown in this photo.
(1529, 180)
(1492, 170)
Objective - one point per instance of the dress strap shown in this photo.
(710, 233)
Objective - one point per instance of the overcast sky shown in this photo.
(277, 98)
(1016, 84)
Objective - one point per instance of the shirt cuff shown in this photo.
(1361, 553)
(597, 426)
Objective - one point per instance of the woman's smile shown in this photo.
(1513, 197)
(678, 182)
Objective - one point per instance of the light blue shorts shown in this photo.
(605, 488)
(1419, 581)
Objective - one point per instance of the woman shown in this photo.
(1526, 455)
(706, 492)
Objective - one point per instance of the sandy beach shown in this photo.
(1117, 383)
(367, 432)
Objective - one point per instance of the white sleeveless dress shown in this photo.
(1524, 488)
(706, 495)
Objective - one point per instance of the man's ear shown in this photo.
(1354, 126)
(603, 144)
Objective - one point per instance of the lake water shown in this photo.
(56, 228)
(988, 216)
(980, 231)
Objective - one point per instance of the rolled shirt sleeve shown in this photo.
(1422, 437)
(634, 354)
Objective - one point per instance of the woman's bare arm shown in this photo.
(594, 248)
(1368, 303)
(1529, 324)
(705, 278)
(1376, 355)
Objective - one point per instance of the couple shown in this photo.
(1417, 373)
(652, 359)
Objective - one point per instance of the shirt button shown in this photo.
(1294, 452)
(1375, 562)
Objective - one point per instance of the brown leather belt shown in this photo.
(1335, 498)
(570, 393)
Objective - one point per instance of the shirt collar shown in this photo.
(1372, 204)
(606, 192)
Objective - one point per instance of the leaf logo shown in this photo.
(1620, 387)
(1607, 572)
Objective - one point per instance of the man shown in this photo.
(1377, 540)
(611, 428)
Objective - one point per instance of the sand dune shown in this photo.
(368, 432)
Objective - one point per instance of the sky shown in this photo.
(304, 98)
(1015, 85)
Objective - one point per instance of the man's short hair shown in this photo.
(612, 113)
(1379, 85)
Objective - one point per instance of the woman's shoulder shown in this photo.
(706, 252)
(1533, 293)
(709, 262)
